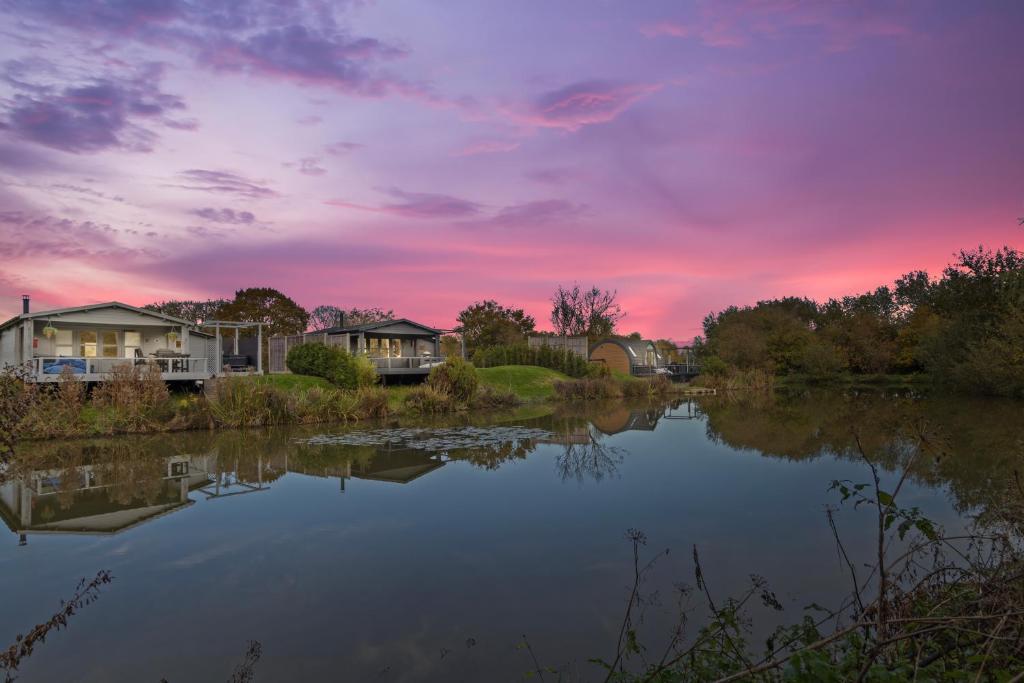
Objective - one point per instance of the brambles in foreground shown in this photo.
(18, 399)
(929, 607)
(86, 593)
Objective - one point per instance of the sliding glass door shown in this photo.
(98, 344)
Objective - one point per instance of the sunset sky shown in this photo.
(421, 155)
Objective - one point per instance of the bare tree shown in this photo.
(593, 312)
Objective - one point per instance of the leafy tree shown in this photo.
(451, 345)
(278, 313)
(592, 312)
(326, 316)
(186, 309)
(488, 323)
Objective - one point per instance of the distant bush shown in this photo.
(521, 354)
(455, 377)
(658, 386)
(587, 389)
(426, 400)
(242, 402)
(136, 397)
(334, 364)
(366, 372)
(598, 370)
(713, 366)
(372, 402)
(491, 398)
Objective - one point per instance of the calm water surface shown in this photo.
(427, 552)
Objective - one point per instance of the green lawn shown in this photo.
(529, 382)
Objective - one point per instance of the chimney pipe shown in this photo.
(24, 304)
(341, 318)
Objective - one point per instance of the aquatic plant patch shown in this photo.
(431, 439)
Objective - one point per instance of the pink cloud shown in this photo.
(486, 147)
(582, 104)
(417, 205)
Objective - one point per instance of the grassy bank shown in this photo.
(528, 382)
(137, 401)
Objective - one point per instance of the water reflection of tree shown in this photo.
(980, 439)
(491, 456)
(594, 460)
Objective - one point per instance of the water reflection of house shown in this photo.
(87, 500)
(623, 418)
(397, 466)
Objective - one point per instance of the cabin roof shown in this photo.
(371, 327)
(636, 348)
(56, 312)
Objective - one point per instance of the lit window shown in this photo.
(109, 344)
(65, 347)
(87, 344)
(631, 351)
(132, 344)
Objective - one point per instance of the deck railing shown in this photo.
(50, 367)
(407, 362)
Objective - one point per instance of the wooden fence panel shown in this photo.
(577, 345)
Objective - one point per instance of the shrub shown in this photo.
(427, 400)
(657, 386)
(315, 360)
(334, 364)
(365, 371)
(242, 402)
(587, 389)
(455, 377)
(520, 354)
(132, 387)
(713, 366)
(598, 370)
(317, 405)
(372, 402)
(489, 398)
(136, 396)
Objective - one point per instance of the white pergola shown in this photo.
(218, 325)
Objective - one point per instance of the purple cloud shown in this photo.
(87, 191)
(311, 166)
(419, 205)
(24, 235)
(306, 55)
(27, 158)
(581, 104)
(94, 117)
(486, 147)
(229, 216)
(536, 213)
(342, 148)
(736, 24)
(224, 182)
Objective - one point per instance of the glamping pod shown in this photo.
(628, 356)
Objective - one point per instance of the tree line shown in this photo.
(592, 312)
(963, 329)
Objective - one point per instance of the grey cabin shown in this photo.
(397, 347)
(89, 341)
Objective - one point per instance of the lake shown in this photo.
(428, 551)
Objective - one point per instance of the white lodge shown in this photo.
(91, 340)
